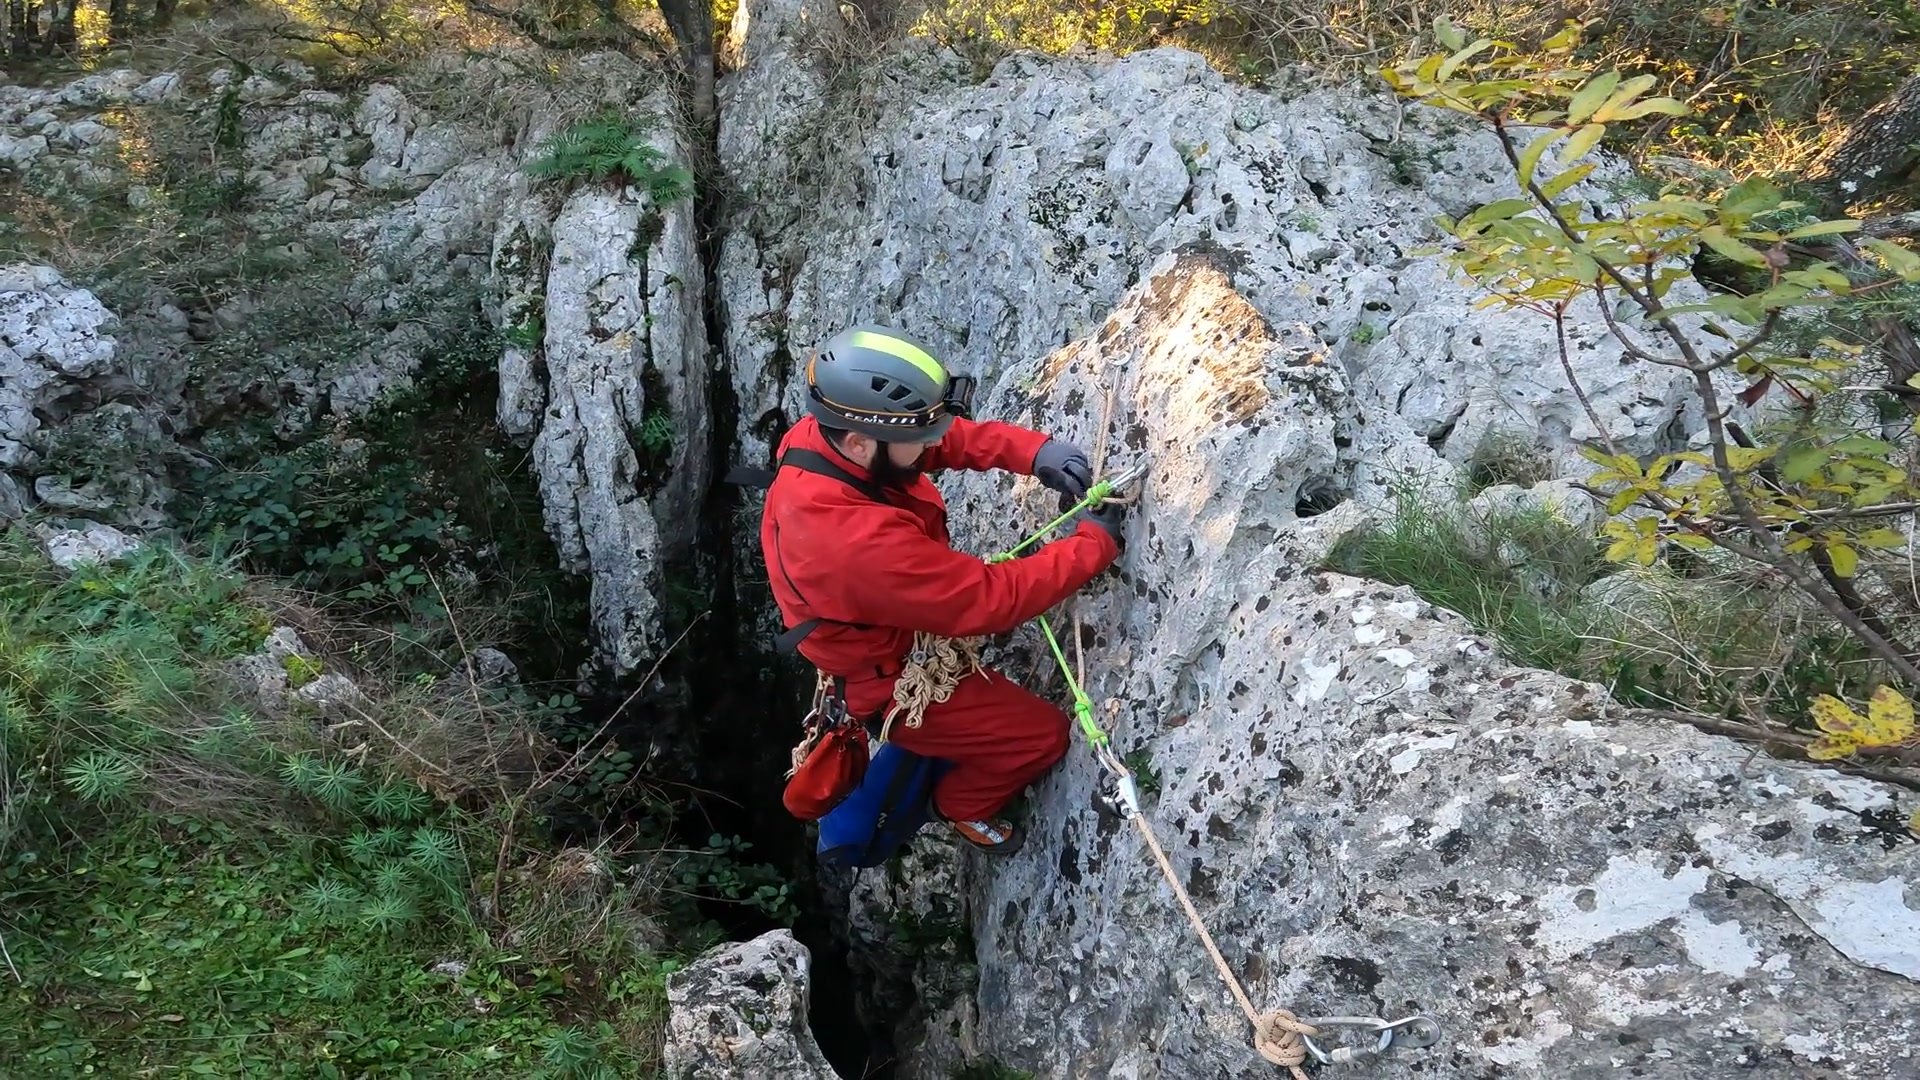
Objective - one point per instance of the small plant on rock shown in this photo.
(610, 147)
(1818, 480)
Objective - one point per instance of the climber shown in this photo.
(857, 552)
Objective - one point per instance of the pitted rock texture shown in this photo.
(741, 1011)
(1002, 220)
(1374, 813)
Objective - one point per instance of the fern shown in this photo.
(609, 147)
(338, 979)
(328, 899)
(388, 913)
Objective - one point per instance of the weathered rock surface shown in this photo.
(741, 1011)
(70, 399)
(622, 436)
(92, 542)
(1374, 813)
(1001, 220)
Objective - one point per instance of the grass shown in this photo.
(1685, 638)
(198, 880)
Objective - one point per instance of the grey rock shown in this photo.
(13, 499)
(386, 118)
(106, 88)
(623, 309)
(23, 151)
(54, 339)
(740, 1011)
(493, 667)
(1001, 220)
(90, 543)
(166, 87)
(84, 134)
(332, 695)
(1373, 812)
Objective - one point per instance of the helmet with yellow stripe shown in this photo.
(884, 384)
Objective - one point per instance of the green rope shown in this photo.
(1095, 494)
(1082, 704)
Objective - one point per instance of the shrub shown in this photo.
(1708, 643)
(1817, 486)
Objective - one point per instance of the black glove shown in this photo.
(1111, 517)
(1063, 467)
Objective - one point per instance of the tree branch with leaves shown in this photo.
(1810, 488)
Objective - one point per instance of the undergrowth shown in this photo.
(205, 877)
(1686, 637)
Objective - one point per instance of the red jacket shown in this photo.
(889, 569)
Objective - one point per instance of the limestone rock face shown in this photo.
(622, 440)
(1373, 813)
(741, 1011)
(1002, 220)
(81, 424)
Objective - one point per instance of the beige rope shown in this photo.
(934, 667)
(1277, 1035)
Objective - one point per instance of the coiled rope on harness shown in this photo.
(934, 667)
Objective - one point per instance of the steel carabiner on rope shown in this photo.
(1413, 1031)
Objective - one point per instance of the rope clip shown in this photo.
(1414, 1031)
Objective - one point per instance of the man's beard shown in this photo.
(888, 474)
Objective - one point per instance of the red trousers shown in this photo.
(999, 737)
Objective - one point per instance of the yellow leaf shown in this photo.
(1620, 549)
(1591, 96)
(1913, 823)
(1882, 537)
(1889, 719)
(1647, 551)
(1581, 142)
(1629, 90)
(1834, 716)
(1828, 747)
(1530, 157)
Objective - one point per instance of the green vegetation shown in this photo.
(1813, 491)
(1693, 638)
(609, 146)
(313, 868)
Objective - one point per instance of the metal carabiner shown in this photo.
(1414, 1031)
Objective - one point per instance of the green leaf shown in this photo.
(1749, 197)
(1581, 142)
(1825, 228)
(1729, 248)
(1447, 34)
(1591, 96)
(1530, 157)
(1499, 210)
(1803, 464)
(1845, 559)
(1552, 188)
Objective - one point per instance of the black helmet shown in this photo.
(885, 385)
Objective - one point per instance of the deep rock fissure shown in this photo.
(740, 702)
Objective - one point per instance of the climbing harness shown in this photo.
(934, 667)
(1279, 1036)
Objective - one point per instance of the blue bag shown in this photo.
(894, 799)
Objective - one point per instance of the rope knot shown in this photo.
(1277, 1036)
